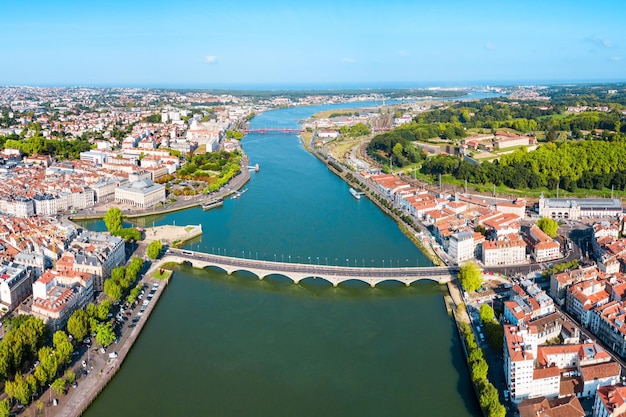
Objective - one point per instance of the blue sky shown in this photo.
(282, 43)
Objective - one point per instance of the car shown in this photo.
(74, 384)
(102, 350)
(113, 355)
(87, 341)
(84, 364)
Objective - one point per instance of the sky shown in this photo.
(299, 43)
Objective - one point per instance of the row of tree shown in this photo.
(121, 279)
(487, 393)
(52, 361)
(38, 145)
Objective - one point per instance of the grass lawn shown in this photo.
(165, 275)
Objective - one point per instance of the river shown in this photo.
(219, 345)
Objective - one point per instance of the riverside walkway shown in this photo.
(299, 271)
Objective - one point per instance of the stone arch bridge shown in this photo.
(298, 271)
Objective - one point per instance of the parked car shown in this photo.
(113, 355)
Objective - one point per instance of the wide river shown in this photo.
(219, 345)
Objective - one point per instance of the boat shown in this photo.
(355, 193)
(212, 204)
(239, 193)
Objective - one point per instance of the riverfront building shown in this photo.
(144, 193)
(504, 252)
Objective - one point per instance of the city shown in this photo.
(306, 209)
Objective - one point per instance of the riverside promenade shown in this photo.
(102, 369)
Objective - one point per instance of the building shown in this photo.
(510, 251)
(143, 194)
(556, 407)
(96, 254)
(610, 401)
(542, 247)
(461, 246)
(57, 294)
(15, 285)
(579, 208)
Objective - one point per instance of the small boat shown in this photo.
(355, 193)
(239, 193)
(212, 204)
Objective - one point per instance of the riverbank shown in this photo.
(77, 400)
(235, 183)
(406, 229)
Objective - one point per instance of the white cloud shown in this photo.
(404, 52)
(348, 60)
(616, 58)
(490, 46)
(210, 59)
(598, 42)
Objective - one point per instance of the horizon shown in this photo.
(319, 87)
(413, 44)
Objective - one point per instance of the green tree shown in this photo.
(58, 386)
(112, 289)
(69, 376)
(19, 389)
(78, 324)
(154, 249)
(479, 370)
(469, 276)
(113, 220)
(104, 334)
(5, 408)
(103, 310)
(550, 227)
(48, 363)
(486, 313)
(62, 347)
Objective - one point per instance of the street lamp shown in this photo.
(274, 257)
(347, 262)
(243, 255)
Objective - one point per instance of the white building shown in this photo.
(15, 285)
(578, 208)
(144, 193)
(57, 294)
(461, 246)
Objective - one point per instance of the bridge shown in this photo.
(272, 130)
(298, 271)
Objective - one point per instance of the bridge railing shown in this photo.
(312, 268)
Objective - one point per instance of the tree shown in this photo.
(113, 290)
(550, 227)
(104, 334)
(113, 220)
(479, 370)
(18, 389)
(154, 249)
(70, 376)
(78, 324)
(102, 311)
(59, 386)
(5, 408)
(62, 346)
(486, 313)
(469, 276)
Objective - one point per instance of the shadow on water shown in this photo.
(313, 287)
(464, 384)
